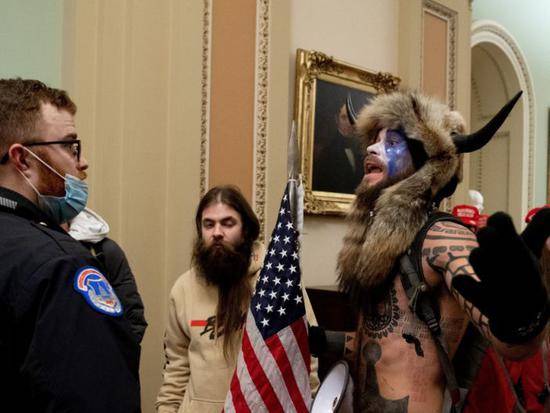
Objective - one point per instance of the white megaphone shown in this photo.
(336, 392)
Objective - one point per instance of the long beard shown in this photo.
(222, 264)
(226, 267)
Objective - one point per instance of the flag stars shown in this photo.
(295, 255)
(292, 269)
(289, 225)
(276, 281)
(258, 307)
(282, 211)
(273, 295)
(268, 265)
(279, 225)
(265, 279)
(269, 308)
(281, 311)
(261, 293)
(285, 197)
(276, 238)
(289, 283)
(285, 297)
(280, 267)
(298, 299)
(286, 239)
(265, 322)
(283, 253)
(272, 252)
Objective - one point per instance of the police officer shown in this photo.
(64, 345)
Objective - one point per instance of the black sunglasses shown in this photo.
(73, 145)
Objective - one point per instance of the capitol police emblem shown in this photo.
(97, 291)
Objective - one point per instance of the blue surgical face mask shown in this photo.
(62, 208)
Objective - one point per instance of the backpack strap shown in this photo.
(423, 304)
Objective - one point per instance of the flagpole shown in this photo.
(296, 190)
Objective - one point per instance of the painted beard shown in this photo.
(221, 264)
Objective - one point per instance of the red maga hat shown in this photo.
(467, 213)
(533, 212)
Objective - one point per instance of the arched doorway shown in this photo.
(503, 170)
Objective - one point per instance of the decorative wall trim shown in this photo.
(205, 94)
(451, 17)
(486, 31)
(261, 110)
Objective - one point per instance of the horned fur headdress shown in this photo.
(379, 235)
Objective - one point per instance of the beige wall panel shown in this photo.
(79, 73)
(134, 70)
(434, 68)
(232, 94)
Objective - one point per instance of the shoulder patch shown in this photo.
(97, 291)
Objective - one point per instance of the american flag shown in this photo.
(273, 365)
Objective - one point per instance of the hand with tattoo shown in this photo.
(510, 292)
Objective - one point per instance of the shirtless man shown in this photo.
(412, 162)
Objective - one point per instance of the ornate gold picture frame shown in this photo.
(331, 161)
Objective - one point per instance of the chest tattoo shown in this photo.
(382, 317)
(370, 399)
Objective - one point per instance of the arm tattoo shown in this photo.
(451, 260)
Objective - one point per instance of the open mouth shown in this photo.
(373, 166)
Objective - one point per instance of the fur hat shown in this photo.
(378, 236)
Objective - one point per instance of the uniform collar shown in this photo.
(15, 203)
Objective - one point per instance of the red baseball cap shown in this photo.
(533, 212)
(467, 213)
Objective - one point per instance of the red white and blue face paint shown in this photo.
(388, 157)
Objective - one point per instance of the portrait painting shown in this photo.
(327, 91)
(337, 165)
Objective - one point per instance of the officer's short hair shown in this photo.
(20, 103)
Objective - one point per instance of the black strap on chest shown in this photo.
(422, 301)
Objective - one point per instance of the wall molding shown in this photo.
(261, 110)
(205, 94)
(487, 31)
(451, 17)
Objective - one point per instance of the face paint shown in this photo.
(397, 152)
(389, 157)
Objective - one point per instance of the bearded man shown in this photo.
(412, 162)
(208, 305)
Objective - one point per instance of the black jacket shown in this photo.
(64, 346)
(120, 276)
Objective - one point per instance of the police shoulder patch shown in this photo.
(97, 291)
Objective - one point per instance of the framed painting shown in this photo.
(332, 159)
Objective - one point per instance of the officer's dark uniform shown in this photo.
(58, 352)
